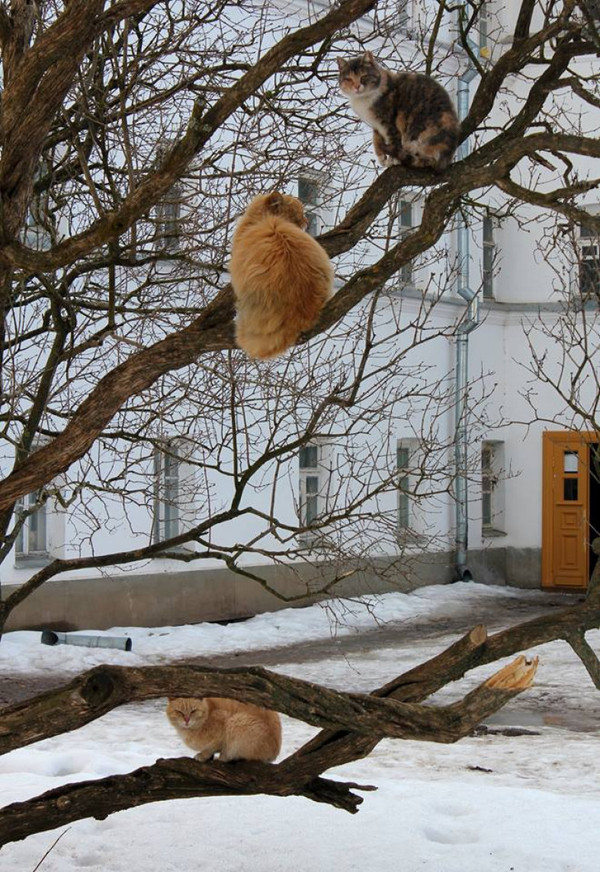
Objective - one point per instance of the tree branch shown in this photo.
(99, 690)
(514, 59)
(201, 126)
(469, 652)
(31, 100)
(175, 778)
(213, 329)
(523, 24)
(586, 654)
(5, 27)
(181, 778)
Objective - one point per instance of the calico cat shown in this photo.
(234, 730)
(281, 276)
(414, 122)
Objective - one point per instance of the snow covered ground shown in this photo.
(487, 804)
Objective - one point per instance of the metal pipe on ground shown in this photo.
(52, 637)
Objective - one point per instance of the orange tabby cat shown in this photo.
(281, 276)
(236, 730)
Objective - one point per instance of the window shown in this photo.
(166, 493)
(313, 479)
(483, 25)
(40, 223)
(589, 262)
(31, 542)
(570, 478)
(309, 194)
(409, 517)
(167, 213)
(403, 468)
(37, 227)
(492, 488)
(406, 223)
(168, 219)
(488, 245)
(42, 524)
(488, 483)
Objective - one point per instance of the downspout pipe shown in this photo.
(461, 435)
(468, 323)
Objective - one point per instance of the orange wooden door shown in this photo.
(565, 545)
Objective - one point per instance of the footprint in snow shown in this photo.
(448, 836)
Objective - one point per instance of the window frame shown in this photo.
(403, 501)
(399, 19)
(167, 509)
(313, 205)
(407, 522)
(588, 280)
(316, 473)
(405, 15)
(483, 28)
(407, 217)
(168, 219)
(406, 207)
(492, 488)
(31, 517)
(50, 512)
(489, 251)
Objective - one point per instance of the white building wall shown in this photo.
(528, 277)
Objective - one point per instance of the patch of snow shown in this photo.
(486, 804)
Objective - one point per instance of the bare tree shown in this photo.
(121, 185)
(74, 327)
(133, 132)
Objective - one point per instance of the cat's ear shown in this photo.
(368, 56)
(274, 202)
(341, 64)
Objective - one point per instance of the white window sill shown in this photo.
(35, 560)
(492, 533)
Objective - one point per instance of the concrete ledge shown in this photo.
(188, 597)
(162, 599)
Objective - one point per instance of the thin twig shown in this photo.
(51, 848)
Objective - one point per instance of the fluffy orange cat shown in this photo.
(281, 276)
(236, 730)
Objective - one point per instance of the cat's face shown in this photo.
(282, 205)
(187, 713)
(359, 76)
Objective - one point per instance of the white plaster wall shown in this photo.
(497, 348)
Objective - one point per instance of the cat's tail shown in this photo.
(263, 345)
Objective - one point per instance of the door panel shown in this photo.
(565, 555)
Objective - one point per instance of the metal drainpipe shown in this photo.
(461, 385)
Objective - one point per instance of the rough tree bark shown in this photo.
(352, 724)
(94, 693)
(39, 70)
(488, 165)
